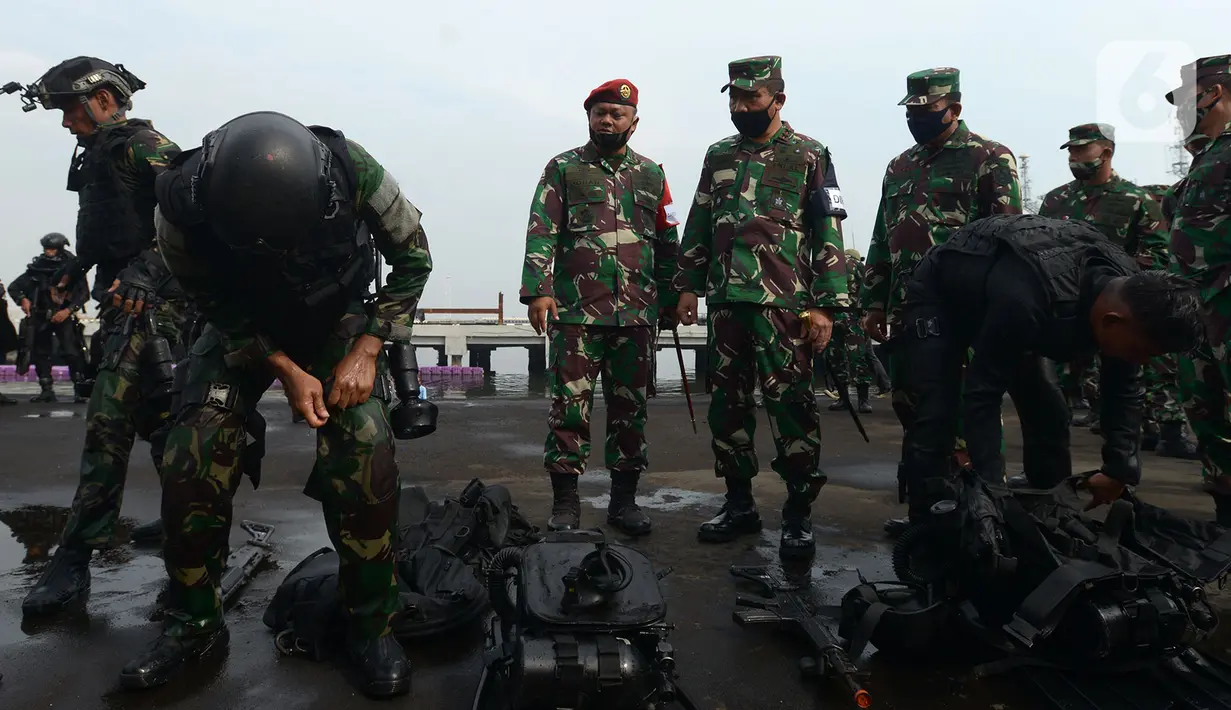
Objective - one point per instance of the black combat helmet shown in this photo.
(55, 240)
(263, 182)
(77, 79)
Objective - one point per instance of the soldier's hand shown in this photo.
(686, 311)
(354, 376)
(307, 396)
(874, 325)
(539, 308)
(25, 306)
(60, 316)
(818, 327)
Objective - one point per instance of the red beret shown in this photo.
(616, 91)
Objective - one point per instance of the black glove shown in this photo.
(142, 279)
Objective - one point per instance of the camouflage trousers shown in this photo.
(1205, 388)
(579, 353)
(120, 409)
(355, 478)
(1163, 402)
(749, 345)
(857, 365)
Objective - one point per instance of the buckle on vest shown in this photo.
(926, 327)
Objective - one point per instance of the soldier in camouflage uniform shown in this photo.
(1164, 413)
(849, 334)
(763, 242)
(1201, 250)
(272, 228)
(600, 253)
(130, 397)
(950, 177)
(1119, 209)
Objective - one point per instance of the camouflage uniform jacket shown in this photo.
(928, 194)
(1201, 228)
(1119, 209)
(757, 231)
(602, 239)
(399, 237)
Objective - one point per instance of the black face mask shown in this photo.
(610, 142)
(752, 124)
(926, 125)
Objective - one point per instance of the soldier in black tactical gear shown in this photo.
(140, 304)
(50, 316)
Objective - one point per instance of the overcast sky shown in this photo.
(465, 101)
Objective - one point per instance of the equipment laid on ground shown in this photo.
(784, 606)
(1032, 575)
(439, 544)
(579, 625)
(242, 564)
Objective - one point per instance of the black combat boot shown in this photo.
(150, 532)
(1174, 442)
(167, 656)
(47, 395)
(383, 665)
(838, 404)
(623, 511)
(565, 503)
(66, 580)
(5, 399)
(797, 541)
(864, 406)
(79, 395)
(738, 515)
(1149, 435)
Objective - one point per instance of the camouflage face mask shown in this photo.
(1085, 170)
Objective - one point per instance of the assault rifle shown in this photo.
(242, 564)
(794, 613)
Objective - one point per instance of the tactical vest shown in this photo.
(1056, 250)
(115, 222)
(311, 285)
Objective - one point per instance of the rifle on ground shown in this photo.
(794, 613)
(242, 564)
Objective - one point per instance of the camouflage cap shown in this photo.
(1090, 132)
(854, 254)
(753, 72)
(930, 85)
(1204, 67)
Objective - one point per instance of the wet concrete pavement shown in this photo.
(73, 661)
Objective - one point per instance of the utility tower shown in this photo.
(1178, 157)
(1028, 203)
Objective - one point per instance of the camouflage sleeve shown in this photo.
(829, 287)
(148, 154)
(1154, 242)
(876, 272)
(1050, 202)
(666, 249)
(542, 233)
(1000, 192)
(240, 340)
(400, 239)
(694, 259)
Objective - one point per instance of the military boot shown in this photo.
(5, 399)
(838, 404)
(66, 579)
(1149, 435)
(47, 395)
(738, 515)
(797, 541)
(565, 503)
(149, 532)
(167, 656)
(864, 406)
(382, 663)
(623, 511)
(1174, 442)
(79, 395)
